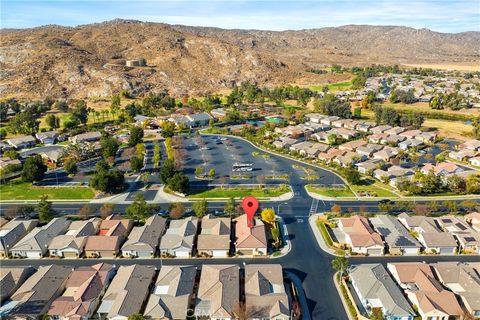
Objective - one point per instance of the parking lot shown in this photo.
(220, 154)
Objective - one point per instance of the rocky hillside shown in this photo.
(86, 61)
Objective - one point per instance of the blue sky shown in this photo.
(438, 15)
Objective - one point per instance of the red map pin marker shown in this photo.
(250, 206)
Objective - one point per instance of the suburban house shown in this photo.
(265, 292)
(52, 158)
(380, 129)
(102, 246)
(470, 144)
(86, 137)
(250, 241)
(386, 154)
(71, 244)
(475, 161)
(376, 289)
(463, 280)
(423, 290)
(395, 130)
(115, 225)
(172, 294)
(418, 224)
(453, 224)
(11, 279)
(462, 154)
(410, 143)
(143, 241)
(12, 232)
(442, 168)
(35, 243)
(214, 239)
(360, 237)
(469, 241)
(49, 137)
(284, 143)
(127, 292)
(397, 238)
(438, 242)
(179, 237)
(83, 291)
(22, 142)
(410, 134)
(198, 119)
(218, 292)
(35, 295)
(473, 219)
(369, 149)
(218, 113)
(352, 145)
(113, 232)
(5, 162)
(369, 166)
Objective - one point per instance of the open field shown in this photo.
(450, 129)
(472, 66)
(332, 87)
(241, 192)
(446, 128)
(18, 190)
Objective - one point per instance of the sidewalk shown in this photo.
(288, 246)
(344, 303)
(312, 220)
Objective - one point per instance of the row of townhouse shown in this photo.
(446, 234)
(102, 291)
(114, 236)
(443, 290)
(409, 235)
(215, 237)
(48, 137)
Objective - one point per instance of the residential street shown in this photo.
(306, 260)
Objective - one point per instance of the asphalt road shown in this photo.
(306, 259)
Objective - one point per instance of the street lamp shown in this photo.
(278, 207)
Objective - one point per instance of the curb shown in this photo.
(288, 246)
(319, 237)
(344, 303)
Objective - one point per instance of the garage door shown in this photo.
(374, 252)
(446, 251)
(246, 252)
(69, 254)
(183, 254)
(219, 253)
(143, 254)
(33, 254)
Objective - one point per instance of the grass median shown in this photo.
(331, 192)
(240, 192)
(19, 190)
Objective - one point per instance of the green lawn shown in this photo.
(373, 188)
(17, 190)
(331, 192)
(241, 192)
(332, 87)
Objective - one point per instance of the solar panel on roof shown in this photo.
(469, 239)
(461, 227)
(447, 220)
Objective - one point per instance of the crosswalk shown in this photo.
(314, 207)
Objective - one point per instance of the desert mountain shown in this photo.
(88, 60)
